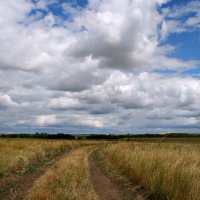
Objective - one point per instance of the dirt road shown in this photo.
(106, 187)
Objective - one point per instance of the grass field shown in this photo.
(17, 154)
(165, 170)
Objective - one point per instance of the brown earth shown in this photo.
(16, 185)
(106, 187)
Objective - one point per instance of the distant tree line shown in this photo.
(98, 136)
(40, 136)
(129, 136)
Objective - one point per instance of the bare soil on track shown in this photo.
(16, 185)
(106, 187)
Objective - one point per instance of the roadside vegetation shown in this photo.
(170, 170)
(150, 169)
(69, 179)
(17, 154)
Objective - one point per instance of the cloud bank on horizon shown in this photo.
(99, 66)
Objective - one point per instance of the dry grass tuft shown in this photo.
(167, 170)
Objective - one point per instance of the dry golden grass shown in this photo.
(68, 180)
(168, 170)
(17, 154)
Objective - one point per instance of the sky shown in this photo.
(98, 66)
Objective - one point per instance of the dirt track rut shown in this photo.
(104, 187)
(15, 186)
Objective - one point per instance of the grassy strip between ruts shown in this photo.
(168, 170)
(68, 180)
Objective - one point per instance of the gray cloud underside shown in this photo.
(95, 71)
